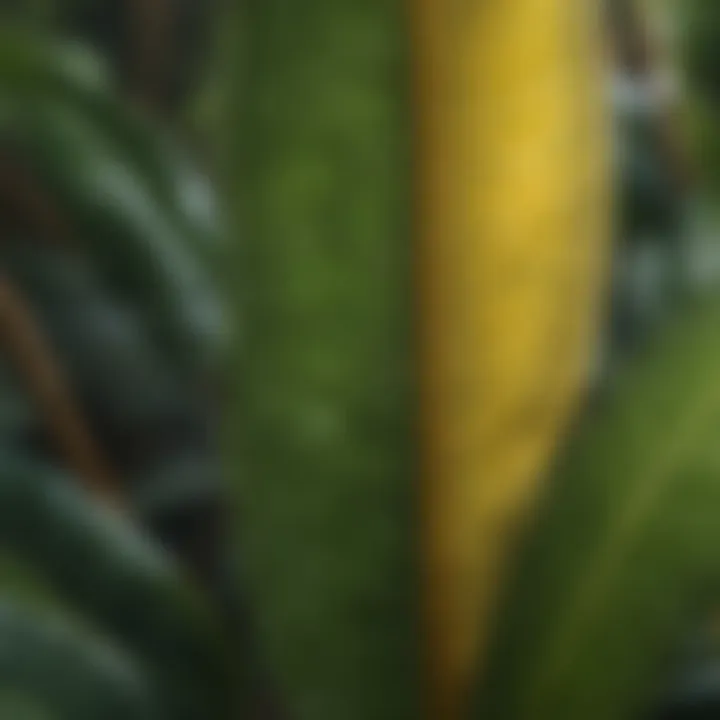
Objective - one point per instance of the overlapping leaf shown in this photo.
(117, 579)
(128, 309)
(626, 550)
(133, 200)
(68, 671)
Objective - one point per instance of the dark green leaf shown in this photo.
(110, 572)
(127, 233)
(322, 431)
(102, 343)
(51, 664)
(17, 416)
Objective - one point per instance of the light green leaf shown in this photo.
(625, 552)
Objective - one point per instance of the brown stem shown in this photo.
(23, 342)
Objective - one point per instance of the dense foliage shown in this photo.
(122, 377)
(112, 337)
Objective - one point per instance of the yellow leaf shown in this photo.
(513, 213)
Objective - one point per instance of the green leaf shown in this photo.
(129, 236)
(24, 584)
(72, 75)
(182, 480)
(322, 430)
(131, 194)
(32, 63)
(21, 706)
(625, 551)
(48, 663)
(104, 568)
(185, 192)
(17, 416)
(104, 346)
